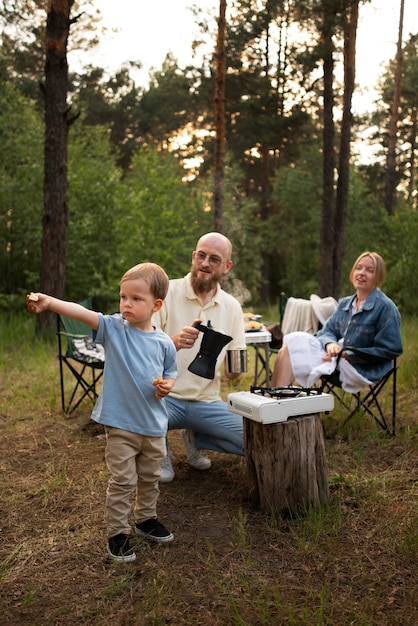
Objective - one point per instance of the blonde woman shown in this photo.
(359, 340)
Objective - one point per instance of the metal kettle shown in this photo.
(212, 343)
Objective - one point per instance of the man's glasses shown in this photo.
(215, 261)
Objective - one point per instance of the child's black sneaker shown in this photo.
(119, 548)
(152, 529)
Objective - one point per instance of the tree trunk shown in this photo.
(412, 199)
(350, 34)
(327, 222)
(220, 120)
(393, 123)
(286, 465)
(55, 216)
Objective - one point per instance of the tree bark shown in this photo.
(220, 119)
(286, 465)
(55, 216)
(327, 222)
(393, 123)
(412, 199)
(350, 35)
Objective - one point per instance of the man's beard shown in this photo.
(202, 284)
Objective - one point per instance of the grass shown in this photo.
(353, 561)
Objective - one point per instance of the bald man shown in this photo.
(195, 404)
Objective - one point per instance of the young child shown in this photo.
(140, 369)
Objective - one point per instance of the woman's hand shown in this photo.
(332, 349)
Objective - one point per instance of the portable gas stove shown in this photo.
(270, 405)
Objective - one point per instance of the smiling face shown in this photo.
(363, 276)
(210, 262)
(137, 304)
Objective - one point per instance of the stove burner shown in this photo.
(285, 392)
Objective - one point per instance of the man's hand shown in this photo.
(186, 337)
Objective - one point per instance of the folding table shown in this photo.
(260, 340)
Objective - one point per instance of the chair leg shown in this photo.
(356, 409)
(260, 366)
(380, 418)
(87, 389)
(394, 381)
(370, 402)
(329, 388)
(62, 385)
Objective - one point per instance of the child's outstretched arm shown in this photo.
(39, 302)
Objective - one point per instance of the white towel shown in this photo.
(306, 354)
(299, 316)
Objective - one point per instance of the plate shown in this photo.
(254, 330)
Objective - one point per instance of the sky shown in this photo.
(147, 33)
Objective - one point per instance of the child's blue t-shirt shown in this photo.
(134, 359)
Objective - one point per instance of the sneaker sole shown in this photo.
(120, 558)
(167, 539)
(201, 466)
(167, 479)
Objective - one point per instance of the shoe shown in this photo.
(196, 458)
(153, 529)
(167, 474)
(119, 549)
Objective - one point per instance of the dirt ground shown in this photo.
(353, 563)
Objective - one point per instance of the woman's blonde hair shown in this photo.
(379, 266)
(153, 274)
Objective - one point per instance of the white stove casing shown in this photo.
(268, 410)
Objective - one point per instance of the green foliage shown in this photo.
(366, 227)
(94, 204)
(136, 116)
(21, 200)
(400, 252)
(247, 237)
(110, 102)
(406, 157)
(161, 217)
(167, 105)
(297, 193)
(272, 179)
(22, 27)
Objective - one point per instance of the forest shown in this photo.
(260, 140)
(140, 165)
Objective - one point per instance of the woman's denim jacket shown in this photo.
(372, 337)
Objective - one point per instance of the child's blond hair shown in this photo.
(153, 274)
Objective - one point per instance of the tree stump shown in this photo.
(286, 464)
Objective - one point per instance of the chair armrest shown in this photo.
(371, 358)
(63, 333)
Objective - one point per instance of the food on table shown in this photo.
(253, 325)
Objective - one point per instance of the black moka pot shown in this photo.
(213, 341)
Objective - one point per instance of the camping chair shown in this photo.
(83, 358)
(283, 298)
(367, 400)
